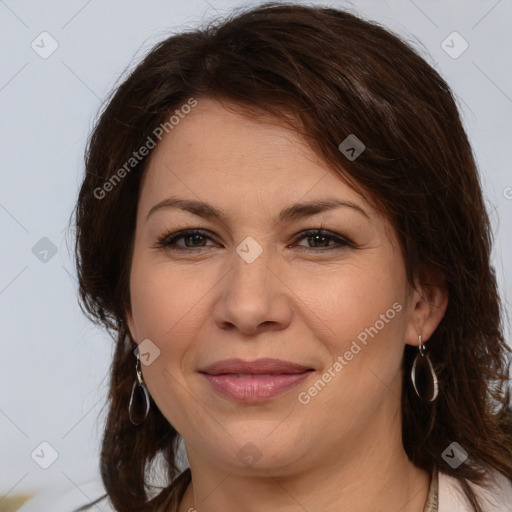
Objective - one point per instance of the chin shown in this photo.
(255, 453)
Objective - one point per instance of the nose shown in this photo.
(252, 298)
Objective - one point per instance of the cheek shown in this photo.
(164, 308)
(357, 298)
(361, 312)
(163, 302)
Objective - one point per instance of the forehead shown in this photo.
(211, 134)
(218, 153)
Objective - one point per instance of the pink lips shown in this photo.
(254, 381)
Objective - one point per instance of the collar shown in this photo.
(432, 504)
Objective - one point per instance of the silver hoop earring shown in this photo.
(138, 406)
(423, 376)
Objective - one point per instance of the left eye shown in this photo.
(318, 237)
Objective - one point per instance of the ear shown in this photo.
(427, 306)
(131, 326)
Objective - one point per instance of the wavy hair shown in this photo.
(327, 73)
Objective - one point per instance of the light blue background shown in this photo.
(53, 376)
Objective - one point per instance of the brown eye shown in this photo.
(192, 239)
(320, 240)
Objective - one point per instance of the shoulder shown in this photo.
(497, 498)
(67, 498)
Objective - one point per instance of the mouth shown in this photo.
(254, 381)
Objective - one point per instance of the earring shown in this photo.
(421, 368)
(138, 406)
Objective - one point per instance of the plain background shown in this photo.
(53, 376)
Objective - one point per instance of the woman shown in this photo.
(282, 224)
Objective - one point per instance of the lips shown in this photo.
(254, 381)
(264, 366)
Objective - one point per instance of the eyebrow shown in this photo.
(295, 211)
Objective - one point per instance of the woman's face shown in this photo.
(253, 285)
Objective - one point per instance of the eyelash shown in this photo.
(168, 240)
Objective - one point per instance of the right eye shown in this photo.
(190, 237)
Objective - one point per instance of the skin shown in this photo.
(342, 450)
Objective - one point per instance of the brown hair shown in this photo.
(338, 75)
